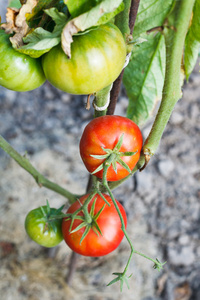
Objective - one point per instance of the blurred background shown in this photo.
(162, 202)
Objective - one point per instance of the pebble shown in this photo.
(176, 118)
(181, 257)
(165, 167)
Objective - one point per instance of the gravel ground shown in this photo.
(162, 202)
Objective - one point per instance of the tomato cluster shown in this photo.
(110, 145)
(102, 232)
(97, 58)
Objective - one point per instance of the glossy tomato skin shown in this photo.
(35, 225)
(105, 132)
(109, 223)
(18, 72)
(97, 58)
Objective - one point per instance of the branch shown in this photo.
(133, 14)
(125, 21)
(39, 178)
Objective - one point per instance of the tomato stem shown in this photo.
(39, 178)
(174, 34)
(122, 276)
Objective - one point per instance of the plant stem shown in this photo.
(174, 37)
(125, 21)
(133, 14)
(39, 178)
(123, 227)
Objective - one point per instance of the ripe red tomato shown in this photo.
(108, 221)
(97, 58)
(105, 132)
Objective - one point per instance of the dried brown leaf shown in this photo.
(69, 30)
(182, 292)
(11, 15)
(16, 22)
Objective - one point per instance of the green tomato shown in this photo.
(18, 72)
(97, 58)
(43, 232)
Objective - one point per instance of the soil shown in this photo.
(162, 202)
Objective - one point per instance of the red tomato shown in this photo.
(105, 132)
(108, 221)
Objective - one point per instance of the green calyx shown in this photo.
(113, 156)
(89, 220)
(123, 278)
(51, 215)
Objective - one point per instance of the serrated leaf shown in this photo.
(88, 19)
(39, 41)
(151, 13)
(144, 77)
(192, 41)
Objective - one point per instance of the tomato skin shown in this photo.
(97, 58)
(18, 72)
(35, 226)
(105, 132)
(109, 223)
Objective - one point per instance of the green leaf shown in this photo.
(151, 13)
(79, 7)
(14, 3)
(40, 40)
(97, 15)
(144, 77)
(192, 42)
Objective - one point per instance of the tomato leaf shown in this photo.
(79, 7)
(14, 3)
(40, 40)
(192, 42)
(100, 14)
(151, 13)
(144, 77)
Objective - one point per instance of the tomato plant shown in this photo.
(84, 47)
(94, 243)
(42, 229)
(97, 58)
(18, 72)
(104, 133)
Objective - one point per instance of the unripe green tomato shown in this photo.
(36, 228)
(18, 72)
(97, 58)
